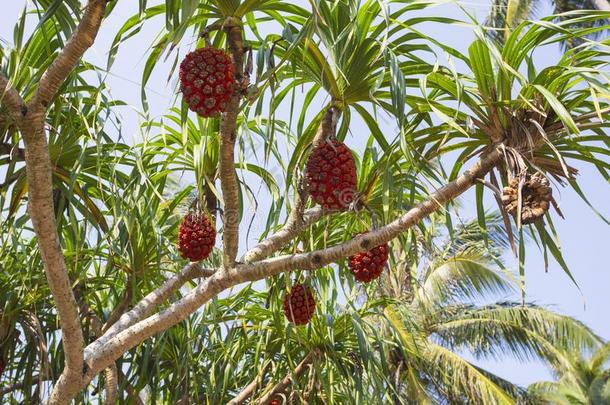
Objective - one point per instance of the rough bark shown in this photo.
(81, 40)
(111, 385)
(31, 121)
(228, 135)
(42, 214)
(10, 98)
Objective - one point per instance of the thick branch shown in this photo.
(285, 383)
(289, 231)
(111, 349)
(10, 98)
(42, 214)
(228, 134)
(149, 303)
(81, 40)
(40, 195)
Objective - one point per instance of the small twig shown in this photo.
(286, 381)
(15, 153)
(131, 390)
(249, 389)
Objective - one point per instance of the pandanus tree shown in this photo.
(103, 216)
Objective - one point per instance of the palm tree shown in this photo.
(505, 15)
(443, 312)
(583, 379)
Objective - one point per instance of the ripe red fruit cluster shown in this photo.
(196, 237)
(369, 265)
(299, 304)
(274, 401)
(207, 80)
(331, 175)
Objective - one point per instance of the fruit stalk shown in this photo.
(296, 220)
(228, 134)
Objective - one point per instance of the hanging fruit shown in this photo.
(299, 304)
(368, 266)
(196, 237)
(330, 174)
(536, 196)
(207, 80)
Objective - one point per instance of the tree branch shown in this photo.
(103, 354)
(298, 220)
(10, 98)
(228, 135)
(289, 231)
(81, 40)
(364, 242)
(282, 385)
(40, 196)
(111, 385)
(149, 303)
(250, 388)
(20, 385)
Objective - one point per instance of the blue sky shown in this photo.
(584, 237)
